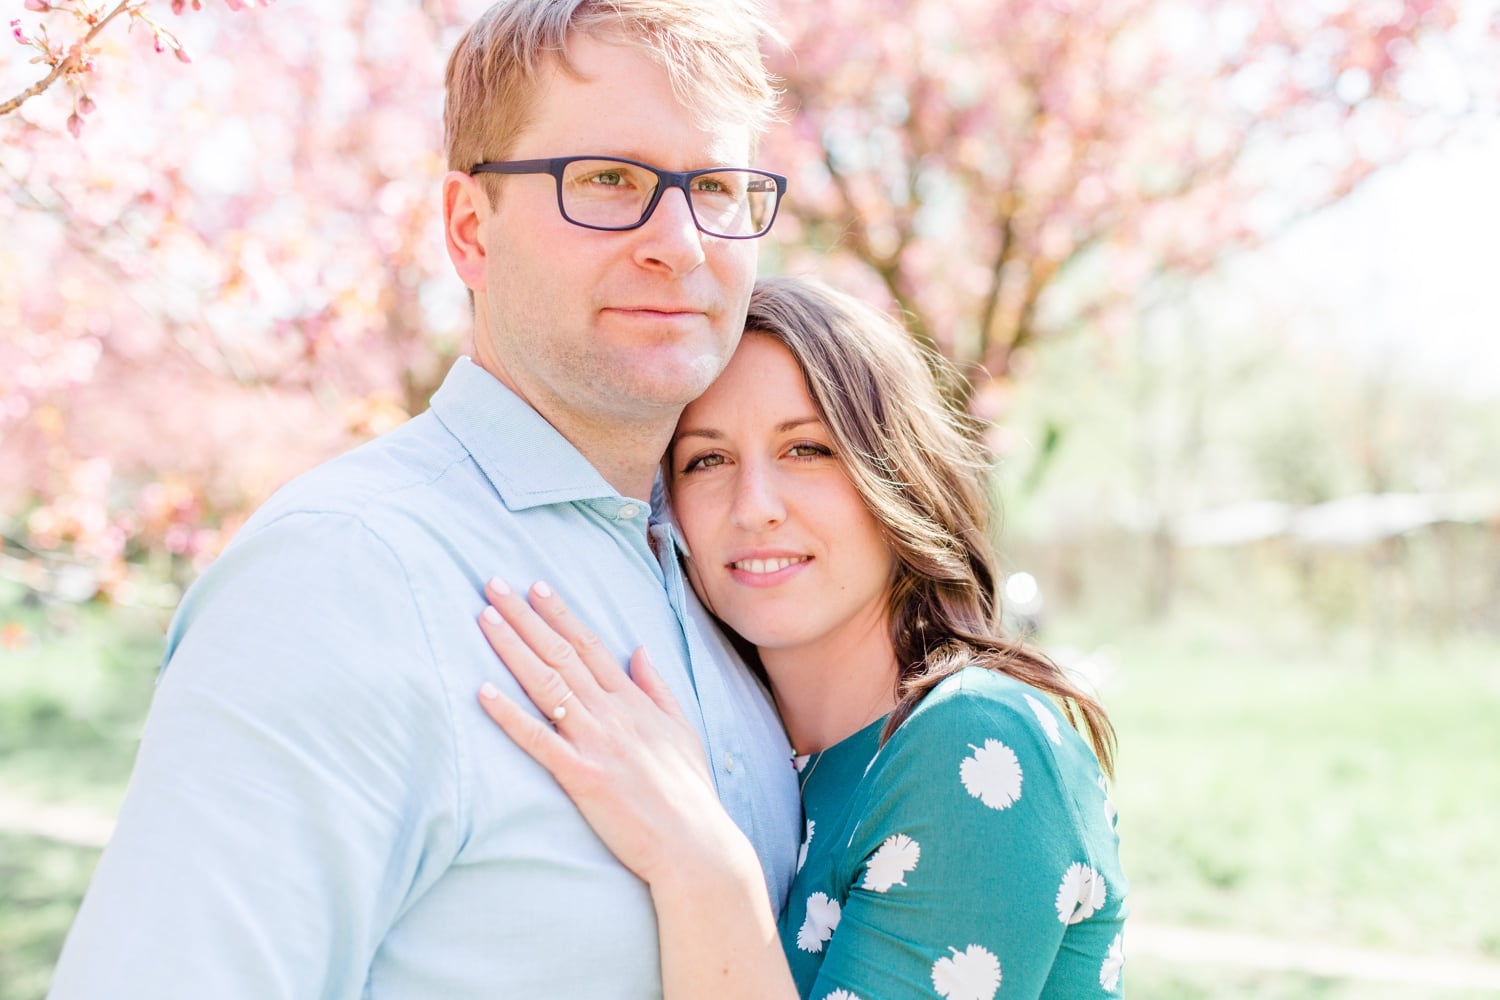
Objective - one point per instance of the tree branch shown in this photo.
(70, 63)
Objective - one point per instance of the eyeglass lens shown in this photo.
(613, 194)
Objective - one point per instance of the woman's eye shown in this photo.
(703, 462)
(806, 450)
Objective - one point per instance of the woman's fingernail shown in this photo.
(498, 585)
(488, 691)
(541, 589)
(492, 616)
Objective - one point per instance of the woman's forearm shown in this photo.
(718, 934)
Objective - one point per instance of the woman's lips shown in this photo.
(768, 570)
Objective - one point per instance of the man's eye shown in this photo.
(722, 185)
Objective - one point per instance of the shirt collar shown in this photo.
(524, 457)
(663, 514)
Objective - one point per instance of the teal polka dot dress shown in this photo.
(973, 857)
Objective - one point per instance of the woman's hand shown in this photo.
(620, 747)
(633, 764)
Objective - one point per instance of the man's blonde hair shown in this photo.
(710, 50)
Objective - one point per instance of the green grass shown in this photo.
(1149, 979)
(1275, 786)
(41, 885)
(1273, 779)
(72, 700)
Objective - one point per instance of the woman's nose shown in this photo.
(757, 501)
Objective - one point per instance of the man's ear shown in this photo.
(465, 208)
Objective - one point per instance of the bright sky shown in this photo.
(1404, 275)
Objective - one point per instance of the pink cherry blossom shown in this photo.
(222, 293)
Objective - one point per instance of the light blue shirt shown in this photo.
(321, 809)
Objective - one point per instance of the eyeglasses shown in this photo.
(602, 192)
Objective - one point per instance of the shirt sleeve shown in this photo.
(296, 781)
(954, 873)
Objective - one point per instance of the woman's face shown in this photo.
(783, 549)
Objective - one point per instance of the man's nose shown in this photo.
(670, 238)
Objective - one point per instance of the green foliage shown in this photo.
(1188, 410)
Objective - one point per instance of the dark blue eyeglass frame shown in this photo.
(665, 180)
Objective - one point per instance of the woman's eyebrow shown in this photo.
(703, 432)
(713, 434)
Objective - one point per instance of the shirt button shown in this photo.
(729, 764)
(629, 511)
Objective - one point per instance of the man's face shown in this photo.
(593, 326)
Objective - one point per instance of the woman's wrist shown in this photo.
(713, 856)
(717, 928)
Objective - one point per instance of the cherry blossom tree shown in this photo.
(232, 272)
(213, 275)
(72, 60)
(1006, 170)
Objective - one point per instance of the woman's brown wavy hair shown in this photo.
(921, 469)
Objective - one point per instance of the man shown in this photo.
(319, 807)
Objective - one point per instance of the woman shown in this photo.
(959, 840)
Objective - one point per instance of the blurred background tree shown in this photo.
(232, 271)
(1011, 171)
(233, 268)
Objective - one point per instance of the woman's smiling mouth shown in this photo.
(763, 567)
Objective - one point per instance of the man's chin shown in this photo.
(674, 378)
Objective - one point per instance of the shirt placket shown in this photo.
(726, 763)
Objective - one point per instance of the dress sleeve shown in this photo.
(296, 778)
(968, 842)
